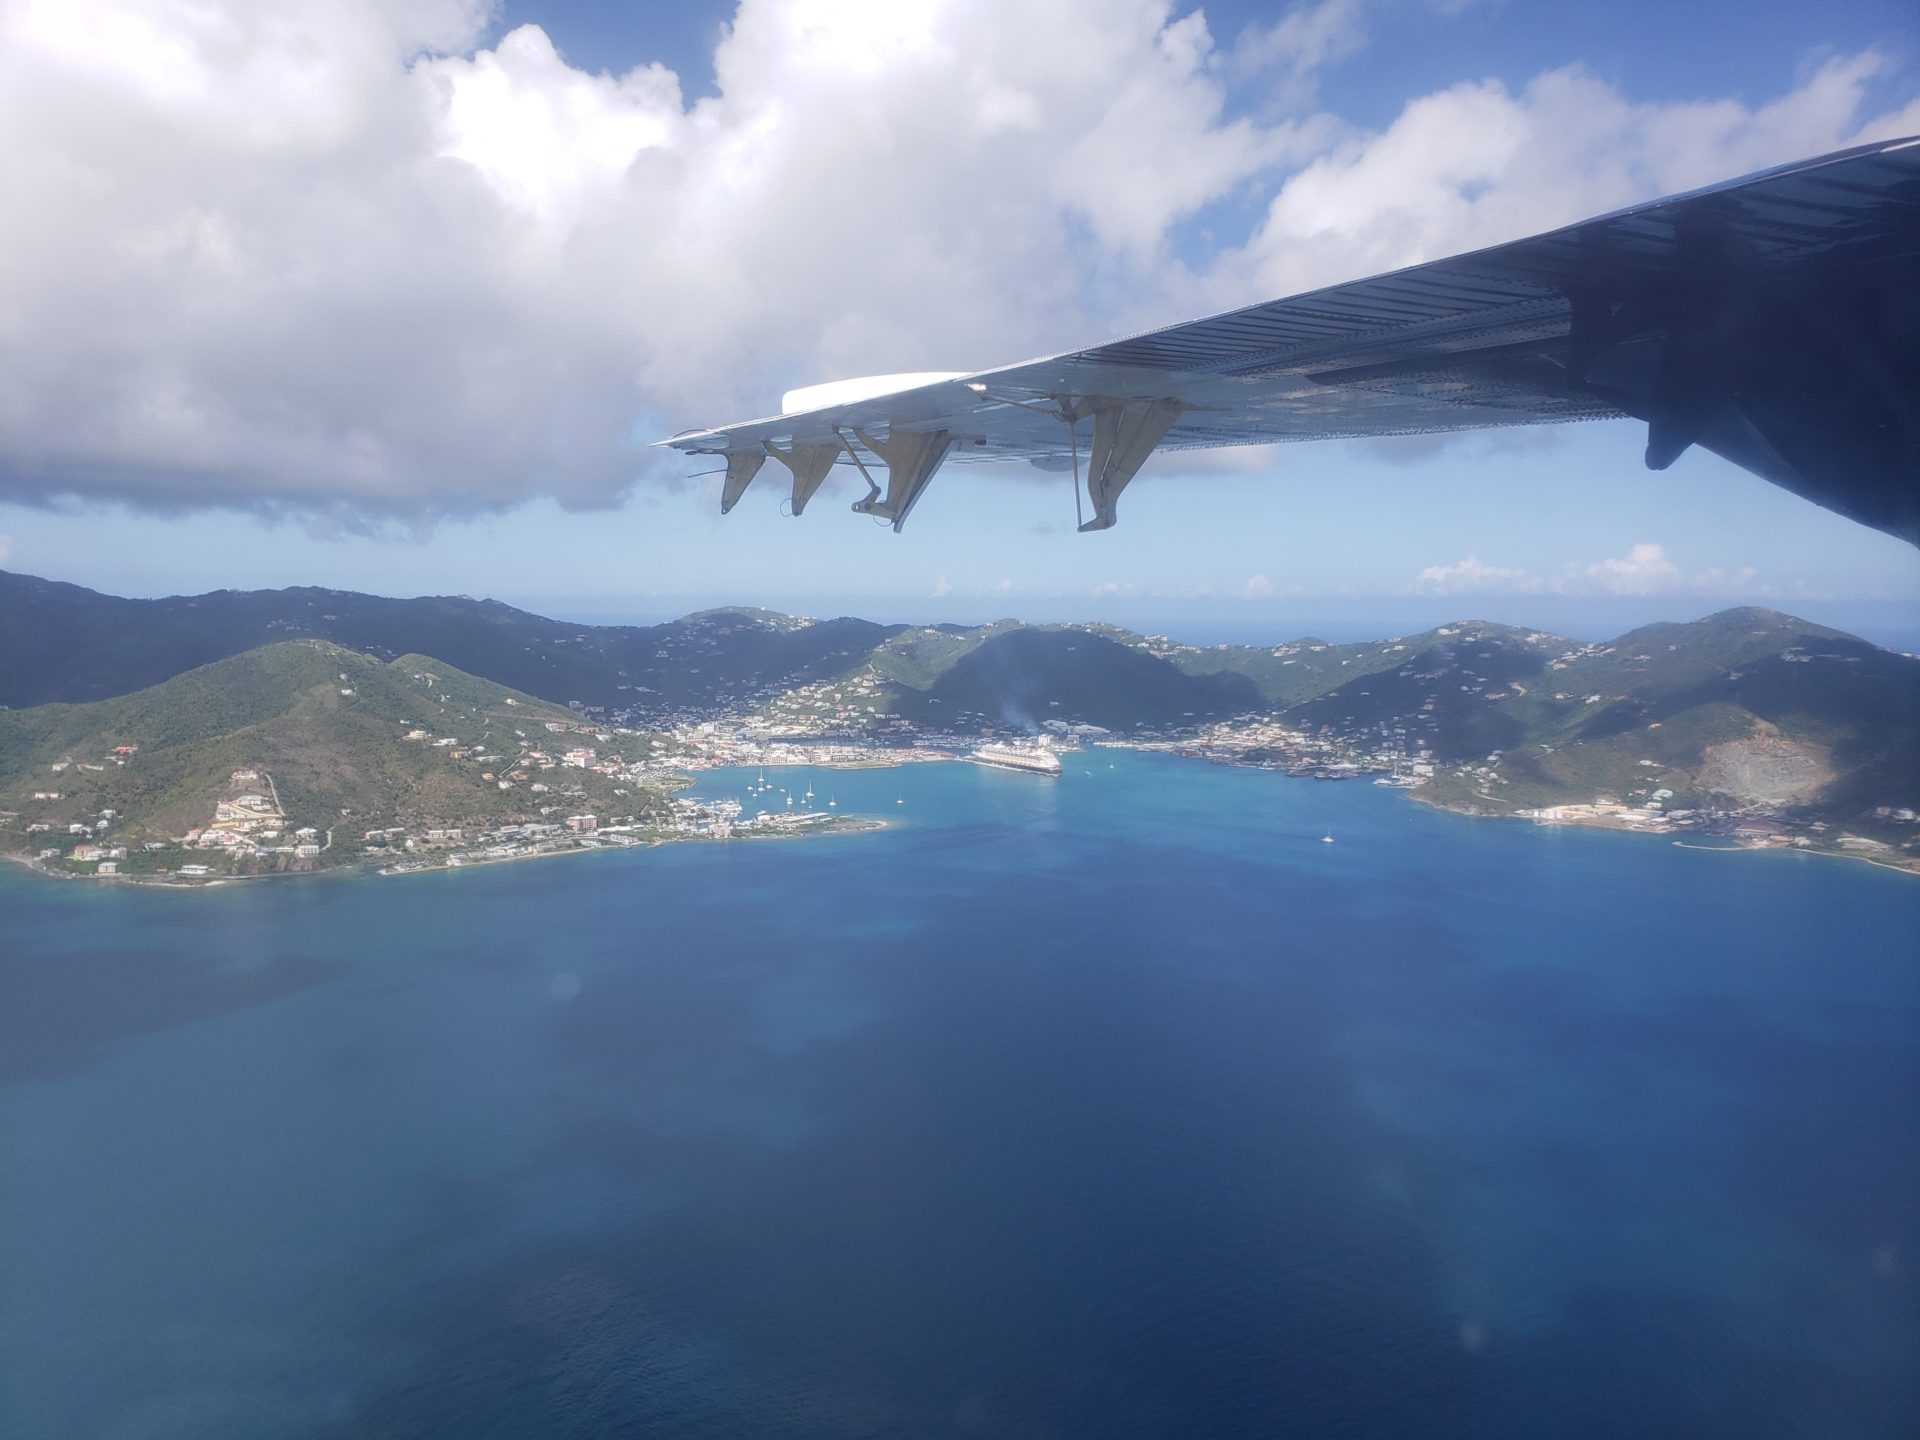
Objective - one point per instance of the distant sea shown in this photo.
(1119, 1105)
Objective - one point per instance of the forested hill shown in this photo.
(342, 742)
(1744, 708)
(62, 642)
(1022, 676)
(1565, 715)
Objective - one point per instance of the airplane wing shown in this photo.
(1774, 320)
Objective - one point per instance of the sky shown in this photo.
(392, 295)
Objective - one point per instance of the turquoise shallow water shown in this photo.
(1113, 1106)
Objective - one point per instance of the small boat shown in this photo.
(833, 804)
(901, 801)
(1327, 839)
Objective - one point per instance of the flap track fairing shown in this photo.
(742, 466)
(810, 464)
(1125, 433)
(911, 458)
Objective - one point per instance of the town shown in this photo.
(822, 727)
(483, 775)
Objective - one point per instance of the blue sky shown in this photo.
(1650, 49)
(349, 346)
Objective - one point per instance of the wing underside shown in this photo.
(1774, 320)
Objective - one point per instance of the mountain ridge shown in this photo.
(1744, 710)
(61, 642)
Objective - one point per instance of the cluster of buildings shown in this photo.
(249, 822)
(853, 704)
(1383, 749)
(758, 741)
(104, 858)
(571, 773)
(1605, 810)
(683, 819)
(82, 839)
(457, 847)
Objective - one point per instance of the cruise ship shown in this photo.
(1030, 759)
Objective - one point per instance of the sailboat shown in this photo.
(832, 804)
(1327, 839)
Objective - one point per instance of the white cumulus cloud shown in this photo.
(1472, 575)
(1646, 569)
(1258, 587)
(1478, 163)
(1643, 570)
(365, 259)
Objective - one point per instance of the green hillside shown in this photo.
(328, 729)
(1450, 687)
(1744, 709)
(64, 643)
(1293, 671)
(1021, 677)
(917, 657)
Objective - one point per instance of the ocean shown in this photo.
(1118, 1105)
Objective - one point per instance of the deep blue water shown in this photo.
(1115, 1106)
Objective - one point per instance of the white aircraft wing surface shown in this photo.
(1773, 319)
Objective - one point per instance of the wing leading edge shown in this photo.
(1774, 320)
